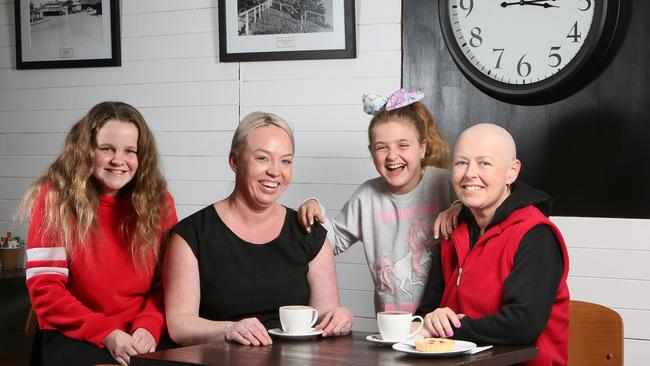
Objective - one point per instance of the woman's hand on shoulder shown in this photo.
(309, 211)
(120, 345)
(442, 321)
(143, 341)
(447, 220)
(335, 322)
(249, 331)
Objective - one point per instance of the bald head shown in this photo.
(488, 137)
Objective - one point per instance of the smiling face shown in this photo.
(484, 165)
(115, 156)
(264, 167)
(397, 154)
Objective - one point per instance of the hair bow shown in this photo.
(373, 103)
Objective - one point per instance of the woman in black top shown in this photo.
(231, 265)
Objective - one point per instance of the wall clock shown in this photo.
(528, 52)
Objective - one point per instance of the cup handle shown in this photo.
(314, 319)
(417, 317)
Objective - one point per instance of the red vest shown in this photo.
(479, 291)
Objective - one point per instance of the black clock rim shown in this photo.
(559, 85)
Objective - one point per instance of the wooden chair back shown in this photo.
(595, 335)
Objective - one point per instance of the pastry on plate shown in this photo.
(435, 344)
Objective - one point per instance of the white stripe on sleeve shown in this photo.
(46, 254)
(31, 272)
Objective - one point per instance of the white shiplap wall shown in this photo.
(171, 72)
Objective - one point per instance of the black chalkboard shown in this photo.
(590, 151)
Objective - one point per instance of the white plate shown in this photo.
(280, 333)
(376, 338)
(460, 348)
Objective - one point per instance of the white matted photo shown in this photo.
(261, 30)
(71, 33)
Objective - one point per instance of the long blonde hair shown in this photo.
(70, 211)
(437, 149)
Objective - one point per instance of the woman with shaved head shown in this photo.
(505, 266)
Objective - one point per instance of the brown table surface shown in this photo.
(346, 350)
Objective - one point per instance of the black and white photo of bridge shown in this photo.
(258, 17)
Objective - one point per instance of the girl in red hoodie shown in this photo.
(98, 217)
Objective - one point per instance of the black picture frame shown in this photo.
(236, 45)
(39, 47)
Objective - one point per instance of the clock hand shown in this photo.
(529, 2)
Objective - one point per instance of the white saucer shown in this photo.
(460, 348)
(278, 332)
(376, 338)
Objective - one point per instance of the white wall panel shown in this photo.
(635, 323)
(34, 99)
(7, 35)
(169, 22)
(8, 209)
(594, 232)
(34, 144)
(155, 95)
(636, 352)
(196, 168)
(613, 293)
(333, 170)
(302, 92)
(378, 11)
(353, 277)
(131, 72)
(7, 57)
(45, 121)
(361, 303)
(173, 46)
(205, 143)
(366, 65)
(151, 6)
(24, 166)
(192, 118)
(379, 37)
(333, 195)
(200, 193)
(319, 117)
(13, 188)
(610, 263)
(7, 14)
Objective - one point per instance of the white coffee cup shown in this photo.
(297, 318)
(396, 325)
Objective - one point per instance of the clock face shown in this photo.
(529, 51)
(519, 42)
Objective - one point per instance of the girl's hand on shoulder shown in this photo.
(442, 321)
(309, 211)
(120, 345)
(447, 220)
(336, 322)
(249, 331)
(143, 341)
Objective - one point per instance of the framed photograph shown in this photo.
(70, 33)
(264, 30)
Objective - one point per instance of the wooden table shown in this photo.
(347, 350)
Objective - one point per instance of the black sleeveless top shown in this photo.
(242, 280)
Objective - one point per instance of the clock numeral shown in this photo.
(588, 5)
(556, 56)
(523, 66)
(498, 65)
(573, 33)
(476, 39)
(468, 7)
